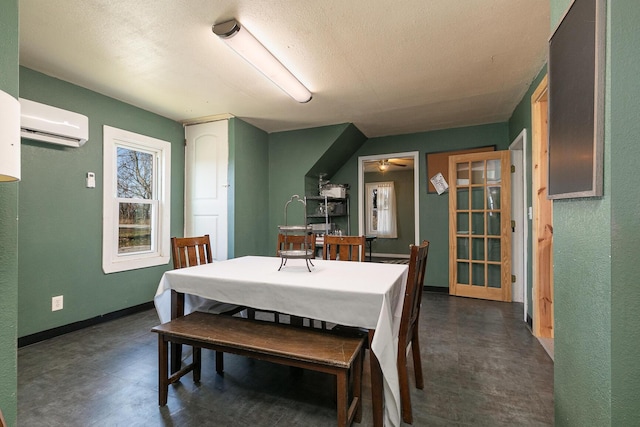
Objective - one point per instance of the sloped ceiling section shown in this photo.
(337, 154)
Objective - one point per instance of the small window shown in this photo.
(381, 210)
(136, 201)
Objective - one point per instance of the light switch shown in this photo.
(91, 180)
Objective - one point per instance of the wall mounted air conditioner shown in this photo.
(50, 124)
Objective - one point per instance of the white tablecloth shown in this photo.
(366, 295)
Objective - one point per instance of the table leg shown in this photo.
(377, 386)
(369, 243)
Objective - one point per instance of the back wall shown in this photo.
(434, 208)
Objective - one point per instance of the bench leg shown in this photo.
(357, 384)
(342, 397)
(176, 357)
(219, 362)
(163, 370)
(197, 364)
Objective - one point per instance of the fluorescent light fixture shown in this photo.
(245, 45)
(9, 138)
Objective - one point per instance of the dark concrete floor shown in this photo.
(481, 364)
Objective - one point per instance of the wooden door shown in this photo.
(480, 225)
(206, 183)
(542, 292)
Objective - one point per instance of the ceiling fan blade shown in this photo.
(402, 165)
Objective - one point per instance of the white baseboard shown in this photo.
(379, 255)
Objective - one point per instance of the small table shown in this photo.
(365, 295)
(369, 243)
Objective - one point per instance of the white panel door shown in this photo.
(206, 185)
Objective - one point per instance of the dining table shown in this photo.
(363, 295)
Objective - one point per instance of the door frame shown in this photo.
(519, 252)
(542, 228)
(416, 188)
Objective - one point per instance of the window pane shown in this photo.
(493, 171)
(463, 198)
(463, 247)
(477, 220)
(463, 273)
(494, 251)
(493, 223)
(477, 198)
(134, 228)
(462, 173)
(477, 249)
(493, 198)
(477, 172)
(463, 222)
(135, 174)
(477, 274)
(494, 275)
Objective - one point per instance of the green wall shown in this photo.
(597, 380)
(249, 190)
(60, 231)
(434, 209)
(9, 78)
(293, 155)
(625, 199)
(582, 301)
(403, 186)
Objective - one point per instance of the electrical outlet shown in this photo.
(57, 303)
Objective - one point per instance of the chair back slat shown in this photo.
(190, 251)
(344, 248)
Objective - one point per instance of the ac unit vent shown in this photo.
(51, 124)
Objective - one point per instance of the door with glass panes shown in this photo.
(480, 225)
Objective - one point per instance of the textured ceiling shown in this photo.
(389, 67)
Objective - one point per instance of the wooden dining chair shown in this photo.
(409, 326)
(192, 251)
(344, 248)
(408, 332)
(295, 242)
(189, 252)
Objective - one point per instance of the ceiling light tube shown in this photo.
(9, 138)
(248, 47)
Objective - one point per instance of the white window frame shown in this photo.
(113, 262)
(390, 211)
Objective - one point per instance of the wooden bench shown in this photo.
(283, 344)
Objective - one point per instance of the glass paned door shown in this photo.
(480, 225)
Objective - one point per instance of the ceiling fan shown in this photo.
(383, 165)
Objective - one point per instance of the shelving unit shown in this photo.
(321, 211)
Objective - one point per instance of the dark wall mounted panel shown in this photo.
(576, 92)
